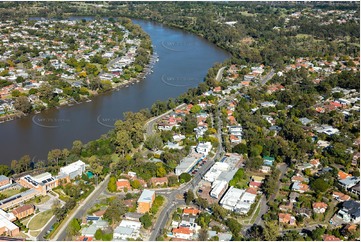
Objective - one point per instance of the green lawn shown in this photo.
(10, 192)
(40, 220)
(34, 233)
(43, 199)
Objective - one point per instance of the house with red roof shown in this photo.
(286, 218)
(123, 184)
(182, 233)
(327, 237)
(319, 207)
(343, 175)
(191, 211)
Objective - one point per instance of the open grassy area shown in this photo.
(10, 192)
(40, 220)
(34, 233)
(42, 200)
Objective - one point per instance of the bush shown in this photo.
(185, 177)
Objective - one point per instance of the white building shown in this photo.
(204, 148)
(238, 200)
(231, 198)
(215, 171)
(127, 229)
(74, 169)
(218, 188)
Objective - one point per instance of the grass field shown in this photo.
(10, 192)
(40, 220)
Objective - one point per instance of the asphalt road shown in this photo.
(46, 228)
(267, 77)
(83, 207)
(220, 74)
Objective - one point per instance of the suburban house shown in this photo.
(350, 212)
(182, 233)
(268, 161)
(91, 229)
(24, 211)
(300, 187)
(191, 211)
(123, 184)
(204, 148)
(286, 218)
(339, 196)
(319, 207)
(349, 182)
(327, 237)
(145, 201)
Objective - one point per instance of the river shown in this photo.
(184, 60)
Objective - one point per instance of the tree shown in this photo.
(45, 92)
(240, 148)
(255, 233)
(123, 142)
(98, 234)
(202, 202)
(74, 227)
(5, 170)
(195, 109)
(219, 212)
(154, 142)
(65, 153)
(234, 226)
(23, 104)
(95, 165)
(172, 180)
(320, 185)
(317, 233)
(161, 172)
(15, 166)
(271, 230)
(203, 235)
(135, 184)
(184, 177)
(115, 211)
(54, 155)
(146, 220)
(77, 146)
(112, 185)
(203, 220)
(189, 196)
